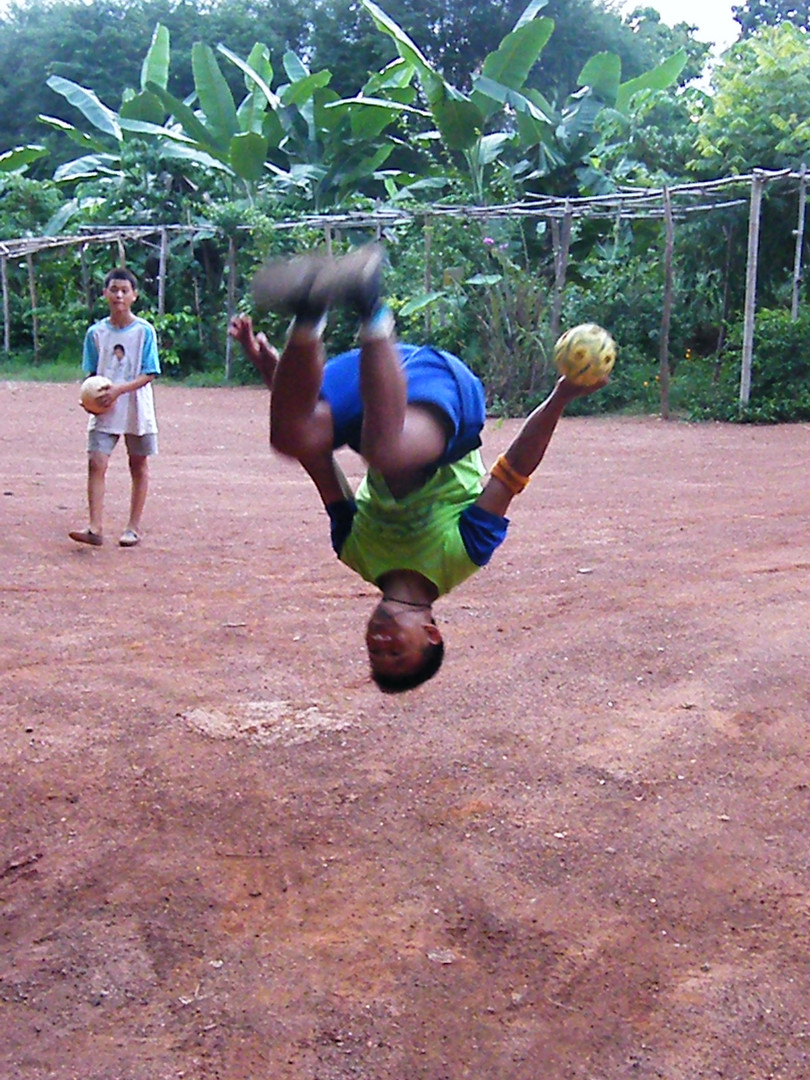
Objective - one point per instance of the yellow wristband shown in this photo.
(509, 477)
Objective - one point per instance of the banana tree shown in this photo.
(462, 120)
(142, 117)
(529, 125)
(298, 137)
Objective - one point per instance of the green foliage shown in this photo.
(26, 205)
(780, 373)
(754, 15)
(761, 105)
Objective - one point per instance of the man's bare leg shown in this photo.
(300, 424)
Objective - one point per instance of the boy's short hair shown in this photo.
(120, 273)
(432, 657)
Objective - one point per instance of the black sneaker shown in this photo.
(354, 280)
(285, 285)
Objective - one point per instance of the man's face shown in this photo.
(120, 295)
(396, 638)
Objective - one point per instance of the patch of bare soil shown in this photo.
(579, 853)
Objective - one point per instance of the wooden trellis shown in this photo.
(670, 205)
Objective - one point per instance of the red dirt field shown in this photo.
(579, 853)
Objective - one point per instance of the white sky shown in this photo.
(713, 18)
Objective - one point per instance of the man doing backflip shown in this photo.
(423, 518)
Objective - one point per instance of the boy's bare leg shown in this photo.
(96, 482)
(139, 474)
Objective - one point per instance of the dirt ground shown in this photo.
(580, 852)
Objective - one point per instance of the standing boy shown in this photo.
(122, 347)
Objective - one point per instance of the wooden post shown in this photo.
(327, 231)
(231, 304)
(194, 279)
(32, 292)
(666, 308)
(754, 214)
(561, 239)
(797, 256)
(164, 253)
(6, 306)
(426, 234)
(122, 252)
(88, 296)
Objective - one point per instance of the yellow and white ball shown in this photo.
(585, 354)
(91, 389)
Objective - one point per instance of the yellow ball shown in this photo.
(91, 389)
(585, 354)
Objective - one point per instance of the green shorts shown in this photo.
(104, 442)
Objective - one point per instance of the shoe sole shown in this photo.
(284, 285)
(351, 280)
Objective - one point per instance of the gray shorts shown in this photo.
(104, 442)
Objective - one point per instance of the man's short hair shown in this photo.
(432, 658)
(120, 273)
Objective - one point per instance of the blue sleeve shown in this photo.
(150, 364)
(341, 515)
(482, 532)
(90, 353)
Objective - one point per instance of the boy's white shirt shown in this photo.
(133, 413)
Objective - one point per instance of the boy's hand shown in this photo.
(107, 397)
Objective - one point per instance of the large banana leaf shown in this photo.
(433, 84)
(300, 92)
(517, 54)
(89, 167)
(248, 152)
(88, 104)
(521, 102)
(254, 78)
(182, 152)
(144, 106)
(155, 67)
(530, 12)
(86, 142)
(602, 73)
(20, 156)
(659, 78)
(214, 95)
(369, 116)
(192, 125)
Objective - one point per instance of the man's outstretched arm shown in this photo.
(509, 474)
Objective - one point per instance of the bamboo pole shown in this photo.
(6, 306)
(88, 296)
(231, 304)
(32, 292)
(754, 215)
(195, 284)
(561, 240)
(666, 308)
(427, 238)
(164, 256)
(797, 255)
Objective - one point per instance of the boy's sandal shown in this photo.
(129, 538)
(86, 536)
